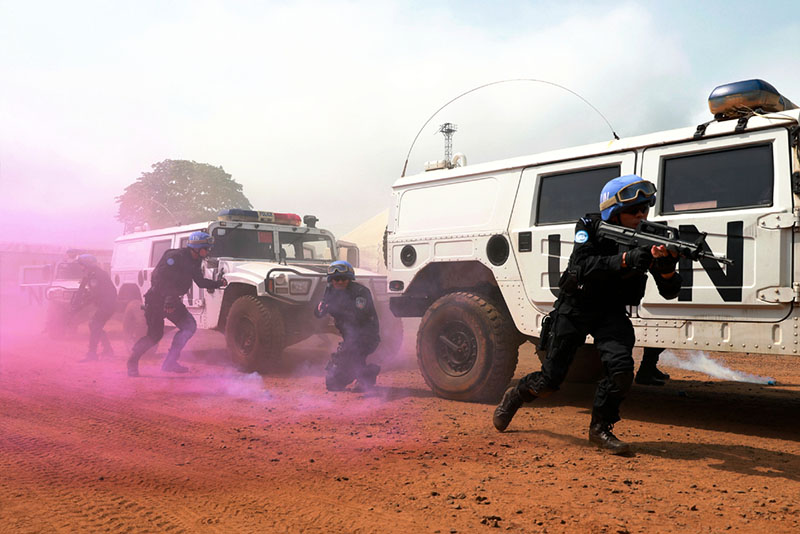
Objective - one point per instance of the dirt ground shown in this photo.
(84, 448)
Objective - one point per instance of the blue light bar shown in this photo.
(738, 99)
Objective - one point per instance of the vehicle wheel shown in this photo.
(391, 334)
(586, 367)
(254, 333)
(466, 348)
(134, 325)
(58, 322)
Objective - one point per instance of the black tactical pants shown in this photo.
(96, 333)
(614, 339)
(154, 313)
(349, 362)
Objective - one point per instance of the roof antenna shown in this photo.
(405, 165)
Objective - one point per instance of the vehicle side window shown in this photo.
(732, 178)
(566, 196)
(243, 243)
(157, 250)
(305, 246)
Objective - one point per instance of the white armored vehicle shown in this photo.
(477, 251)
(276, 271)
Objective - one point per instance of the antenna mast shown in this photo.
(448, 129)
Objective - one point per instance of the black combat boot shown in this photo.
(90, 357)
(336, 377)
(133, 366)
(504, 413)
(171, 364)
(660, 375)
(649, 375)
(367, 378)
(600, 434)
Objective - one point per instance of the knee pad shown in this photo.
(538, 386)
(622, 382)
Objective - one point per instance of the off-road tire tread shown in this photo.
(273, 336)
(506, 348)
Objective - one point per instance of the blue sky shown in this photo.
(312, 105)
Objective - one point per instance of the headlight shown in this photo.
(299, 286)
(54, 293)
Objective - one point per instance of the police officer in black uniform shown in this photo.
(350, 305)
(600, 282)
(98, 289)
(170, 280)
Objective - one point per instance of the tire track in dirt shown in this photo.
(48, 439)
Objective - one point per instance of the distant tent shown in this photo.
(369, 238)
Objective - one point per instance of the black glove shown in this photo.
(665, 265)
(639, 259)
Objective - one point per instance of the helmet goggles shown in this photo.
(337, 268)
(340, 269)
(635, 193)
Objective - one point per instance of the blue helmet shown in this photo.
(623, 192)
(200, 240)
(86, 260)
(341, 268)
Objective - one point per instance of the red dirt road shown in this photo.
(84, 448)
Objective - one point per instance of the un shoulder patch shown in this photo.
(582, 236)
(170, 261)
(361, 303)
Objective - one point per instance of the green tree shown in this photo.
(179, 192)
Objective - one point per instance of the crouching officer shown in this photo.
(600, 282)
(350, 305)
(170, 280)
(96, 288)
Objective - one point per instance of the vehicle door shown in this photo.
(158, 246)
(551, 198)
(738, 190)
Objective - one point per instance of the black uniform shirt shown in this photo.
(175, 271)
(96, 287)
(352, 310)
(603, 283)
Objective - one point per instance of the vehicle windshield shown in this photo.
(69, 271)
(246, 243)
(306, 246)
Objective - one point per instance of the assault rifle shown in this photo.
(649, 234)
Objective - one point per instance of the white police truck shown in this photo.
(477, 251)
(275, 265)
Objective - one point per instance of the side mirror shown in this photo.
(349, 251)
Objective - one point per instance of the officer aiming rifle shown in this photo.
(653, 234)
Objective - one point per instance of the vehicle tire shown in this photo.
(391, 334)
(466, 348)
(58, 321)
(134, 325)
(586, 367)
(254, 333)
